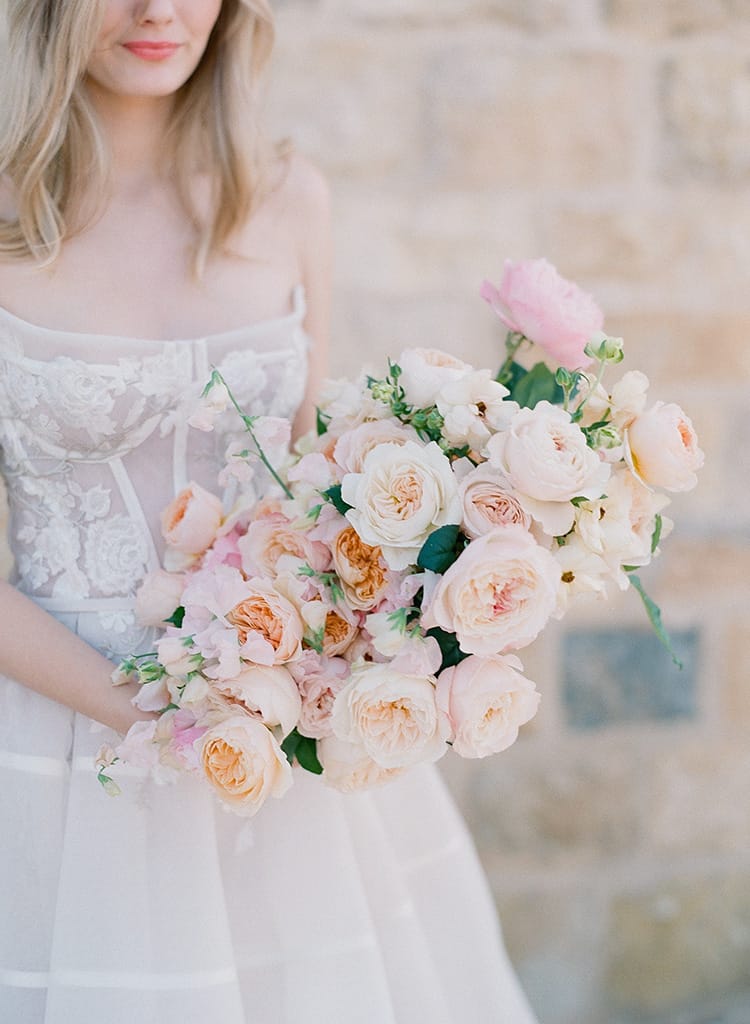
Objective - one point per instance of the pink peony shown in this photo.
(534, 300)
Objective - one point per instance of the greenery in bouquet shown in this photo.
(365, 615)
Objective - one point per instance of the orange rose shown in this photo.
(337, 633)
(267, 616)
(244, 763)
(360, 568)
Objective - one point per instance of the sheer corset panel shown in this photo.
(94, 447)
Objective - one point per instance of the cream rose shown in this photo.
(269, 628)
(244, 763)
(403, 493)
(266, 691)
(360, 568)
(547, 461)
(425, 372)
(498, 595)
(394, 716)
(488, 501)
(473, 408)
(348, 767)
(662, 448)
(190, 522)
(158, 597)
(487, 700)
(353, 446)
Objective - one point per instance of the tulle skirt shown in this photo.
(157, 907)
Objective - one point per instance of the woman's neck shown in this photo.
(134, 128)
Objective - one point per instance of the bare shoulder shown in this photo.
(302, 194)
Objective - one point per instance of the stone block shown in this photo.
(679, 943)
(736, 692)
(698, 798)
(672, 17)
(542, 806)
(555, 939)
(349, 104)
(614, 677)
(495, 118)
(706, 117)
(533, 15)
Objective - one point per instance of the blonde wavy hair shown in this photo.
(52, 151)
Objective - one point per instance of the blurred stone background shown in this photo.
(613, 137)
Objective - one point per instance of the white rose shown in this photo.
(473, 408)
(662, 448)
(348, 767)
(403, 494)
(394, 716)
(488, 501)
(487, 700)
(581, 572)
(425, 372)
(352, 447)
(547, 461)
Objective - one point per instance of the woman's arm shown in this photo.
(46, 656)
(315, 248)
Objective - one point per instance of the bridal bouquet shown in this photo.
(366, 613)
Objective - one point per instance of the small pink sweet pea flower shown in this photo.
(534, 300)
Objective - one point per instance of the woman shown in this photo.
(142, 219)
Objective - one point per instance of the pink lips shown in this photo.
(151, 50)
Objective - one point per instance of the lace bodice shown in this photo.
(94, 442)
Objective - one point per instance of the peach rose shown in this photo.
(488, 501)
(487, 700)
(158, 597)
(393, 715)
(360, 568)
(190, 522)
(244, 763)
(498, 595)
(338, 633)
(404, 492)
(269, 628)
(267, 540)
(267, 691)
(534, 300)
(662, 448)
(348, 767)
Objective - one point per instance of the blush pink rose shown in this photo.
(190, 522)
(267, 691)
(158, 596)
(348, 767)
(487, 700)
(488, 502)
(534, 300)
(319, 680)
(498, 595)
(662, 448)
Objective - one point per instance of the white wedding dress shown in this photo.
(155, 907)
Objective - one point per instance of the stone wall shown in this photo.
(612, 136)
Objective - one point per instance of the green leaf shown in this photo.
(307, 755)
(449, 648)
(654, 615)
(333, 494)
(304, 749)
(440, 550)
(175, 619)
(656, 535)
(321, 421)
(290, 744)
(511, 375)
(537, 385)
